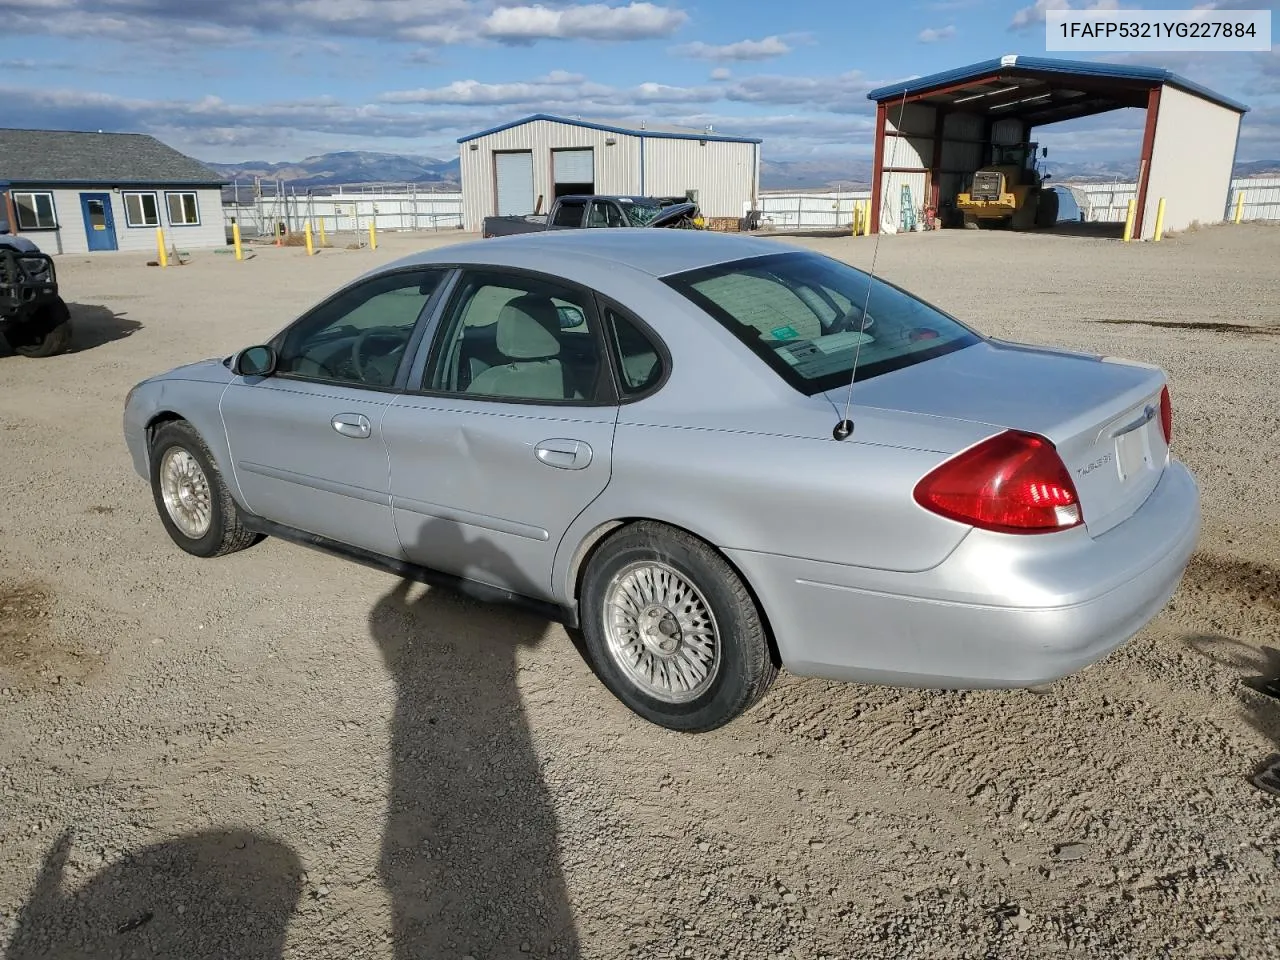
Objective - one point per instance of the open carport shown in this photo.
(934, 133)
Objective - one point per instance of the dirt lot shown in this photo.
(282, 754)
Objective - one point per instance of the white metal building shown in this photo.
(522, 166)
(76, 192)
(933, 132)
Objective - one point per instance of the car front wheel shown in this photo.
(195, 507)
(672, 630)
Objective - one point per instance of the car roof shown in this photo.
(657, 252)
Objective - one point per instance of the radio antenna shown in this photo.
(844, 429)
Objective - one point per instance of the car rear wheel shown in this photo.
(195, 507)
(672, 630)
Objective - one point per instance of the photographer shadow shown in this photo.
(1260, 706)
(470, 857)
(204, 896)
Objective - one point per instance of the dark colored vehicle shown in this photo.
(578, 211)
(33, 317)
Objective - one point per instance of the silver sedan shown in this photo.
(715, 456)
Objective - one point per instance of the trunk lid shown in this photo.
(1102, 415)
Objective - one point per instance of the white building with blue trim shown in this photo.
(82, 192)
(521, 167)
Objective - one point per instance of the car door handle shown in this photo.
(352, 425)
(565, 454)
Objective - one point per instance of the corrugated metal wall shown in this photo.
(961, 157)
(891, 197)
(1008, 131)
(917, 119)
(723, 173)
(1191, 161)
(617, 167)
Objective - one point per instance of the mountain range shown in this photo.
(362, 167)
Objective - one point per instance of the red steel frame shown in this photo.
(1148, 150)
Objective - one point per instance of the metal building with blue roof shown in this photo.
(522, 166)
(934, 132)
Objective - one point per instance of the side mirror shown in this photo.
(570, 317)
(256, 362)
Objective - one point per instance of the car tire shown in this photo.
(50, 333)
(195, 506)
(656, 600)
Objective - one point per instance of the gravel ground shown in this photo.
(282, 754)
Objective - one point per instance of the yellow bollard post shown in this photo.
(323, 241)
(164, 257)
(310, 246)
(866, 219)
(235, 237)
(1239, 206)
(1159, 220)
(1128, 221)
(373, 235)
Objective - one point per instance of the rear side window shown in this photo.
(802, 313)
(637, 359)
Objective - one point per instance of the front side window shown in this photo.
(35, 211)
(360, 336)
(605, 214)
(141, 210)
(802, 313)
(516, 338)
(184, 209)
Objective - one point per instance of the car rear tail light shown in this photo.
(1166, 415)
(1013, 482)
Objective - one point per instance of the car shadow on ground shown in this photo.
(1260, 696)
(470, 856)
(205, 896)
(93, 325)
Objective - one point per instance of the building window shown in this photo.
(184, 211)
(141, 210)
(35, 211)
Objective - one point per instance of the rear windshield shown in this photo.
(802, 313)
(641, 214)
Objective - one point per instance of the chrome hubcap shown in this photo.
(185, 490)
(661, 632)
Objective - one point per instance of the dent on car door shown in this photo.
(510, 434)
(306, 442)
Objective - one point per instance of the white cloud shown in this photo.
(721, 73)
(934, 34)
(1034, 15)
(596, 21)
(422, 21)
(765, 49)
(560, 92)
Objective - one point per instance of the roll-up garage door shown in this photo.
(574, 166)
(515, 183)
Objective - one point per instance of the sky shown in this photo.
(274, 80)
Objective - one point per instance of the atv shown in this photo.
(34, 319)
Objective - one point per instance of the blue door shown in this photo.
(99, 224)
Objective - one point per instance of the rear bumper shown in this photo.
(1000, 612)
